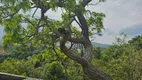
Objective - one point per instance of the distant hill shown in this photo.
(100, 45)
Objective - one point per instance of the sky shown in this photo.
(121, 16)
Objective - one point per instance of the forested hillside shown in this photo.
(122, 61)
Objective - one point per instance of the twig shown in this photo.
(12, 13)
(71, 45)
(78, 23)
(34, 12)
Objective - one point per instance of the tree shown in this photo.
(137, 42)
(121, 60)
(23, 29)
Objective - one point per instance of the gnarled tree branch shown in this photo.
(83, 23)
(69, 53)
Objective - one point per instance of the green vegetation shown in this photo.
(35, 47)
(121, 62)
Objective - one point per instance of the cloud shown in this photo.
(133, 30)
(109, 32)
(105, 39)
(120, 14)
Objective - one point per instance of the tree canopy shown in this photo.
(24, 32)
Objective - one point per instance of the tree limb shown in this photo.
(84, 25)
(34, 12)
(70, 54)
(85, 2)
(76, 40)
(82, 20)
(78, 23)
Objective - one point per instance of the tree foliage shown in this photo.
(25, 32)
(122, 62)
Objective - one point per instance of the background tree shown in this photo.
(136, 42)
(25, 31)
(121, 60)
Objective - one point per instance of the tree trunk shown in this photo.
(91, 71)
(94, 74)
